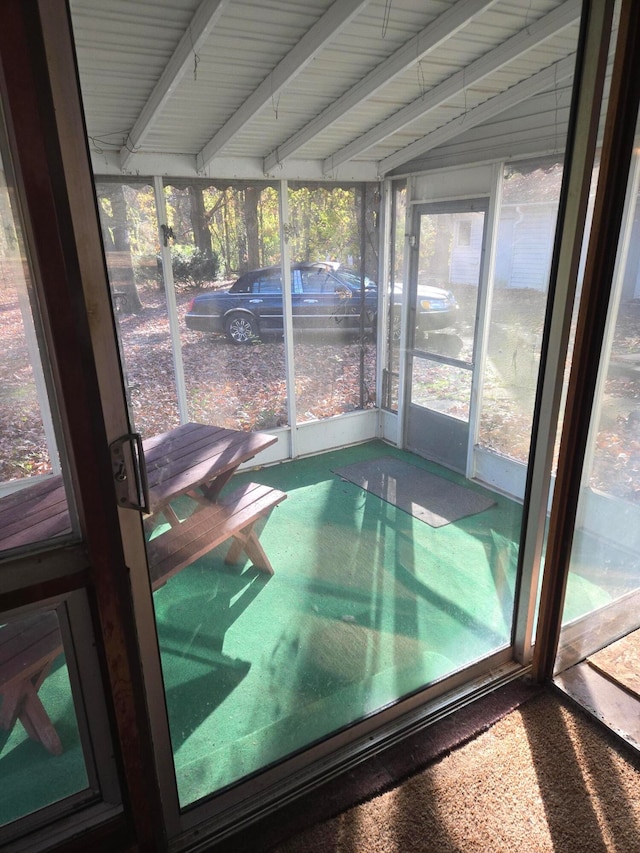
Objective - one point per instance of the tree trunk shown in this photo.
(118, 252)
(199, 221)
(251, 201)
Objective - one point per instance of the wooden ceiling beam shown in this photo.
(545, 79)
(430, 37)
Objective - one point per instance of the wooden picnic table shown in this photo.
(33, 514)
(28, 649)
(196, 460)
(193, 460)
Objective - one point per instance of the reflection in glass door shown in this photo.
(29, 442)
(49, 723)
(445, 276)
(603, 588)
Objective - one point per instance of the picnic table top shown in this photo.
(177, 461)
(196, 454)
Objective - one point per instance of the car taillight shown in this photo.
(190, 305)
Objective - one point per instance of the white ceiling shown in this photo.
(315, 89)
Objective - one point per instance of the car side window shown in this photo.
(334, 285)
(270, 283)
(243, 285)
(312, 282)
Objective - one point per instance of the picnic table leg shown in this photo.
(170, 515)
(21, 701)
(246, 540)
(10, 707)
(36, 721)
(212, 491)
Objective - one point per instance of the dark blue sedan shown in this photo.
(322, 299)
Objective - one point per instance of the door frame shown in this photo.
(46, 138)
(463, 431)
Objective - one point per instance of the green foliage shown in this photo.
(325, 223)
(324, 219)
(192, 267)
(269, 227)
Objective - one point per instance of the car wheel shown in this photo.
(241, 328)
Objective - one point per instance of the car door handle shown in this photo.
(256, 301)
(311, 301)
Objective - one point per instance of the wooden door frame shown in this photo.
(43, 115)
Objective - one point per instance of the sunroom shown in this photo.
(294, 297)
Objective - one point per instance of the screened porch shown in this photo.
(364, 271)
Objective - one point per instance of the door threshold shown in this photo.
(604, 700)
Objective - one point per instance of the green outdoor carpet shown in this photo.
(426, 496)
(367, 604)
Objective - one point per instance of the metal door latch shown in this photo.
(127, 455)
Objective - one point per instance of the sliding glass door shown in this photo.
(604, 578)
(47, 762)
(75, 729)
(56, 744)
(230, 631)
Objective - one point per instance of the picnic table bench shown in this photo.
(232, 517)
(193, 460)
(198, 461)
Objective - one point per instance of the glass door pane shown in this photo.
(601, 602)
(33, 503)
(444, 292)
(41, 747)
(290, 602)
